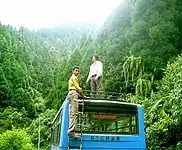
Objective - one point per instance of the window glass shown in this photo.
(114, 121)
(56, 130)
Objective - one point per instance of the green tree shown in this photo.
(15, 140)
(45, 121)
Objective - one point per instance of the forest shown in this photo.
(140, 45)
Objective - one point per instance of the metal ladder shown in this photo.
(80, 116)
(81, 123)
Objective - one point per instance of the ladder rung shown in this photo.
(80, 103)
(80, 112)
(80, 124)
(83, 125)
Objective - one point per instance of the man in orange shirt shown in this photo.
(74, 90)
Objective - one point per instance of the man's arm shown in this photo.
(78, 88)
(76, 84)
(89, 76)
(99, 71)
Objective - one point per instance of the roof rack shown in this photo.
(103, 95)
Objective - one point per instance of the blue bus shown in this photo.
(102, 125)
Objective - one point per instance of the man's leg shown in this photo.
(73, 111)
(93, 88)
(99, 87)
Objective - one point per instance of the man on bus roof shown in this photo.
(72, 97)
(95, 76)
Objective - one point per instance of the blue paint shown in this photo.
(102, 141)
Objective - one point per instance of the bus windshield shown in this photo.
(108, 119)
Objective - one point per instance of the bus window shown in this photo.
(55, 135)
(105, 120)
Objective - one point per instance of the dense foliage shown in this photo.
(140, 47)
(16, 140)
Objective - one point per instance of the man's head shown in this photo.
(95, 58)
(75, 70)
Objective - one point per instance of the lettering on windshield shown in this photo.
(105, 138)
(104, 116)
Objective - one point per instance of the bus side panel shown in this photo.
(64, 127)
(141, 125)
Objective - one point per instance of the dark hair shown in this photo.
(75, 67)
(96, 57)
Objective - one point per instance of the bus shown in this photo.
(102, 125)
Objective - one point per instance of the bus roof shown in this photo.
(108, 101)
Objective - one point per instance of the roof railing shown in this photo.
(103, 95)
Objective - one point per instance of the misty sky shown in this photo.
(35, 14)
